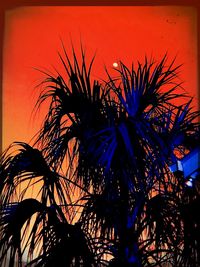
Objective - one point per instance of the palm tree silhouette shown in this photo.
(102, 190)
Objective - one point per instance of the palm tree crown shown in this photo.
(103, 193)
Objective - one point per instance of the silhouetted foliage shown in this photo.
(102, 192)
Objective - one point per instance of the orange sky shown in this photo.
(32, 39)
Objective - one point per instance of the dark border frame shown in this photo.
(9, 4)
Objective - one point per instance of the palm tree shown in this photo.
(102, 190)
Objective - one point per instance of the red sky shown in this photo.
(32, 39)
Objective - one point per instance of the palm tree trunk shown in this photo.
(127, 244)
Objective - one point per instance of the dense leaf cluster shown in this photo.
(95, 189)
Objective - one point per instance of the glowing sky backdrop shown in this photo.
(32, 39)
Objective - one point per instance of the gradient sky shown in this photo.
(32, 40)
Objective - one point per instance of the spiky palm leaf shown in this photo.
(28, 166)
(50, 231)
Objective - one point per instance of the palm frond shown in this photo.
(13, 217)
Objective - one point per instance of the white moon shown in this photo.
(115, 65)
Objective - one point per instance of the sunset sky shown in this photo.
(33, 36)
